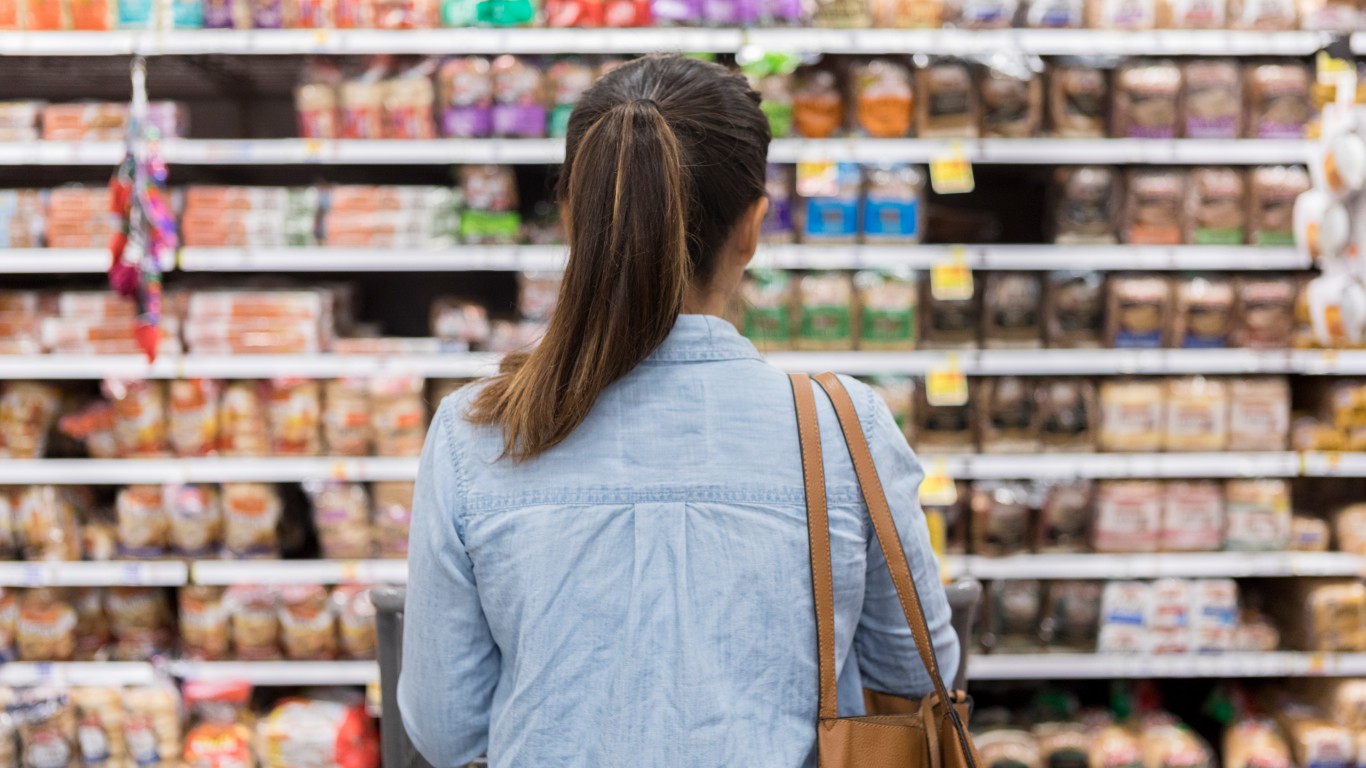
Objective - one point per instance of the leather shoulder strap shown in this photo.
(888, 539)
(818, 539)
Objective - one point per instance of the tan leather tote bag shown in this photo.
(896, 732)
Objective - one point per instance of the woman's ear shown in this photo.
(751, 225)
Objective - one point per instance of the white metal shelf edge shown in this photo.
(222, 572)
(211, 470)
(86, 574)
(1095, 666)
(1155, 566)
(99, 673)
(457, 259)
(1119, 465)
(284, 673)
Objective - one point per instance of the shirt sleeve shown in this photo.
(886, 651)
(450, 662)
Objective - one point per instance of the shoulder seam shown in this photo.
(457, 459)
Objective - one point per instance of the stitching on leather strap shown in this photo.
(818, 540)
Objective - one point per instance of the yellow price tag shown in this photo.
(952, 280)
(946, 385)
(938, 489)
(951, 172)
(350, 571)
(818, 178)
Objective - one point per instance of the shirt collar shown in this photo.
(702, 337)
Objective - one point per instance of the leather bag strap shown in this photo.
(818, 539)
(884, 525)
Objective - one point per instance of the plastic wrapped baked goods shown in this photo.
(393, 514)
(907, 14)
(886, 309)
(1054, 14)
(9, 533)
(1193, 14)
(1012, 97)
(1213, 97)
(308, 629)
(27, 411)
(1071, 620)
(9, 626)
(1349, 528)
(1086, 208)
(1278, 100)
(1068, 415)
(1308, 534)
(828, 206)
(817, 103)
(151, 726)
(1012, 318)
(1262, 14)
(1078, 99)
(140, 618)
(317, 732)
(193, 423)
(242, 420)
(1323, 615)
(1216, 207)
(1254, 742)
(99, 718)
(203, 622)
(399, 415)
(1146, 99)
(1258, 515)
(355, 622)
(92, 425)
(251, 513)
(1204, 313)
(1259, 414)
(1196, 414)
(253, 612)
(518, 98)
(1009, 414)
(824, 311)
(93, 630)
(293, 409)
(465, 93)
(45, 517)
(1132, 415)
(1214, 620)
(1074, 309)
(943, 429)
(1001, 518)
(347, 424)
(1272, 191)
(1192, 516)
(220, 737)
(1265, 318)
(1124, 609)
(946, 101)
(1128, 516)
(983, 14)
(1121, 14)
(47, 626)
(143, 525)
(46, 722)
(1154, 207)
(1064, 523)
(1008, 746)
(1012, 616)
(893, 203)
(195, 519)
(948, 323)
(1137, 311)
(882, 98)
(341, 515)
(139, 417)
(1168, 744)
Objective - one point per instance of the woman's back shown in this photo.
(640, 593)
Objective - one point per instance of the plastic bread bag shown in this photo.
(253, 614)
(1258, 513)
(1147, 95)
(1124, 607)
(1137, 311)
(46, 722)
(193, 421)
(886, 309)
(1259, 414)
(1074, 309)
(1169, 744)
(1013, 316)
(362, 103)
(1071, 620)
(1079, 97)
(27, 412)
(141, 622)
(840, 14)
(817, 102)
(45, 517)
(308, 629)
(331, 732)
(204, 623)
(944, 429)
(399, 415)
(1216, 207)
(393, 510)
(346, 419)
(1308, 534)
(316, 101)
(151, 725)
(10, 532)
(99, 718)
(1192, 516)
(1269, 15)
(1197, 414)
(93, 426)
(767, 301)
(1212, 99)
(1128, 516)
(882, 98)
(1155, 207)
(1002, 518)
(1064, 523)
(143, 525)
(1204, 313)
(825, 311)
(341, 515)
(293, 410)
(1009, 414)
(1255, 742)
(948, 323)
(220, 736)
(1012, 96)
(242, 420)
(778, 224)
(1013, 611)
(251, 515)
(1008, 746)
(1278, 100)
(1272, 191)
(47, 626)
(984, 14)
(409, 102)
(519, 109)
(907, 14)
(829, 201)
(1193, 14)
(465, 95)
(946, 104)
(893, 204)
(355, 614)
(1054, 14)
(1265, 317)
(1068, 415)
(195, 518)
(93, 631)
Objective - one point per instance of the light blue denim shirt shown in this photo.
(640, 595)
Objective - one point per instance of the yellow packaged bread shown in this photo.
(1255, 743)
(1349, 528)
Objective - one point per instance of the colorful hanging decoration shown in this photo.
(146, 237)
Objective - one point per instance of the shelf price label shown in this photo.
(951, 280)
(946, 384)
(951, 173)
(938, 488)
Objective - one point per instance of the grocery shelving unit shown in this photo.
(1095, 666)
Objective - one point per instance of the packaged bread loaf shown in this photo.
(1168, 744)
(907, 14)
(393, 510)
(1121, 14)
(1071, 621)
(948, 323)
(251, 513)
(47, 626)
(1008, 746)
(27, 412)
(308, 629)
(1001, 518)
(1054, 14)
(1316, 742)
(984, 14)
(293, 409)
(946, 101)
(1010, 415)
(255, 623)
(1258, 515)
(398, 415)
(1012, 615)
(1086, 207)
(140, 618)
(1262, 14)
(151, 725)
(1254, 742)
(1349, 528)
(1137, 311)
(778, 226)
(1309, 534)
(893, 203)
(1171, 603)
(1193, 14)
(1216, 207)
(195, 519)
(1213, 96)
(46, 722)
(1272, 191)
(1147, 95)
(1124, 608)
(882, 98)
(9, 624)
(139, 417)
(99, 724)
(143, 526)
(1154, 207)
(93, 631)
(886, 301)
(193, 423)
(1192, 516)
(1064, 523)
(828, 204)
(204, 622)
(1074, 309)
(1278, 100)
(355, 614)
(943, 429)
(341, 516)
(1265, 316)
(1132, 415)
(1012, 97)
(1197, 414)
(1078, 99)
(1259, 414)
(1128, 516)
(825, 302)
(46, 520)
(1068, 415)
(242, 420)
(817, 103)
(1204, 313)
(1013, 304)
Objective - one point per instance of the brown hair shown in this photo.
(662, 156)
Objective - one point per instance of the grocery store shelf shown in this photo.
(459, 259)
(1332, 464)
(541, 151)
(1033, 257)
(490, 41)
(1154, 566)
(100, 673)
(301, 572)
(283, 673)
(53, 261)
(454, 365)
(1117, 465)
(1095, 666)
(107, 574)
(263, 470)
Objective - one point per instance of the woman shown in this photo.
(608, 559)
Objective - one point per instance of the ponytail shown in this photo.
(626, 216)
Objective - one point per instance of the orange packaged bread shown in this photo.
(883, 98)
(293, 409)
(817, 103)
